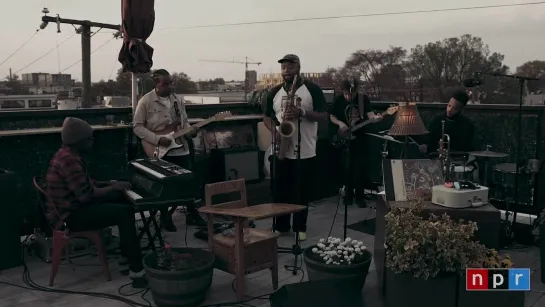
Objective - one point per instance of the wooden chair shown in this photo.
(61, 239)
(233, 255)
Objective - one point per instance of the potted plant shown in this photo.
(488, 259)
(333, 258)
(423, 256)
(179, 276)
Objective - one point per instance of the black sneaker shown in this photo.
(194, 219)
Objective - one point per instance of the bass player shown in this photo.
(311, 108)
(344, 112)
(159, 110)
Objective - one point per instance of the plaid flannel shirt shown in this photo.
(68, 186)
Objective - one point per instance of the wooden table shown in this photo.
(257, 212)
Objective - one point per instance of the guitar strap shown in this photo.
(178, 114)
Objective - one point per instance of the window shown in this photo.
(46, 103)
(12, 104)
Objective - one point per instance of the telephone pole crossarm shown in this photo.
(84, 23)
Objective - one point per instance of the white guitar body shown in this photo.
(161, 151)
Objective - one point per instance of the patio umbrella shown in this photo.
(138, 19)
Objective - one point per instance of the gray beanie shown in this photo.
(75, 130)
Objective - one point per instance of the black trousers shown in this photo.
(354, 174)
(293, 187)
(106, 214)
(187, 163)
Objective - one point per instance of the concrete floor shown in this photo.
(87, 275)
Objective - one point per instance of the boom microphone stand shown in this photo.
(347, 165)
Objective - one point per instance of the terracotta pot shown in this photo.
(321, 271)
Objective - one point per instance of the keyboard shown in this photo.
(158, 183)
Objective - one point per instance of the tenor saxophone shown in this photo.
(287, 128)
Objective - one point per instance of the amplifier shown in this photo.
(319, 294)
(10, 228)
(234, 163)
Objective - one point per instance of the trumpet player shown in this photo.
(457, 126)
(308, 109)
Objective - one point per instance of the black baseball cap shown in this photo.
(290, 58)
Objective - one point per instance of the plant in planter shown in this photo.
(179, 276)
(488, 259)
(333, 258)
(423, 256)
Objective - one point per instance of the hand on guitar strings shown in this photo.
(193, 133)
(377, 118)
(343, 130)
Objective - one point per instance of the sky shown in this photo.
(516, 32)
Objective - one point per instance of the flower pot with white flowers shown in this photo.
(333, 258)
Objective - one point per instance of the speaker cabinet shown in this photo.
(10, 227)
(319, 294)
(235, 163)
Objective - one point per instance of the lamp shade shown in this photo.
(408, 121)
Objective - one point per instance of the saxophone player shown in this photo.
(310, 107)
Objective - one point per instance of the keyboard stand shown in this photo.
(146, 230)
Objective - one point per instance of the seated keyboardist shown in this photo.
(84, 204)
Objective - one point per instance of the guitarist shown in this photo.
(347, 110)
(159, 110)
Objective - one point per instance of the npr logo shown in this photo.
(498, 279)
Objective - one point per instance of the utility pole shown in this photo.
(246, 81)
(85, 31)
(10, 75)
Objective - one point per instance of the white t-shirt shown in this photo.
(312, 99)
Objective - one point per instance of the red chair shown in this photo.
(61, 238)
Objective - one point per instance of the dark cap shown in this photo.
(290, 58)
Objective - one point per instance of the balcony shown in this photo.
(29, 139)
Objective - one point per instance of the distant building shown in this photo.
(251, 80)
(46, 83)
(269, 80)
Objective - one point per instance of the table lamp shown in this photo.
(407, 123)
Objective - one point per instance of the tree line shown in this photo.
(431, 72)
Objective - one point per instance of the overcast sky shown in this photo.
(516, 32)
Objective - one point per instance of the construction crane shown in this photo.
(246, 63)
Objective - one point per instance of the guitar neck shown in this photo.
(367, 122)
(184, 131)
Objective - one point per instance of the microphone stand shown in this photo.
(521, 81)
(296, 249)
(347, 165)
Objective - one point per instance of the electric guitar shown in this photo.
(157, 151)
(361, 124)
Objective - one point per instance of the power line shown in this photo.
(45, 54)
(353, 16)
(20, 47)
(79, 61)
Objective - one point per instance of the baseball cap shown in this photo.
(290, 58)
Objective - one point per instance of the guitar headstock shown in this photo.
(222, 115)
(392, 110)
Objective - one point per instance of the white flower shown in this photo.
(347, 240)
(320, 245)
(358, 249)
(354, 242)
(322, 240)
(315, 250)
(363, 247)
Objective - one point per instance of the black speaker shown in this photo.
(319, 294)
(10, 227)
(235, 163)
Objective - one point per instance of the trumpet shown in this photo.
(287, 128)
(444, 153)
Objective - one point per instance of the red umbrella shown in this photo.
(138, 19)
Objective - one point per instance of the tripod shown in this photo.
(296, 249)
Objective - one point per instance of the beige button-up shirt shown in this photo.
(152, 115)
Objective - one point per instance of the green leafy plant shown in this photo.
(427, 247)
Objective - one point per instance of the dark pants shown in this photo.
(105, 214)
(293, 191)
(354, 175)
(187, 163)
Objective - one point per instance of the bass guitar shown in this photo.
(158, 152)
(357, 126)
